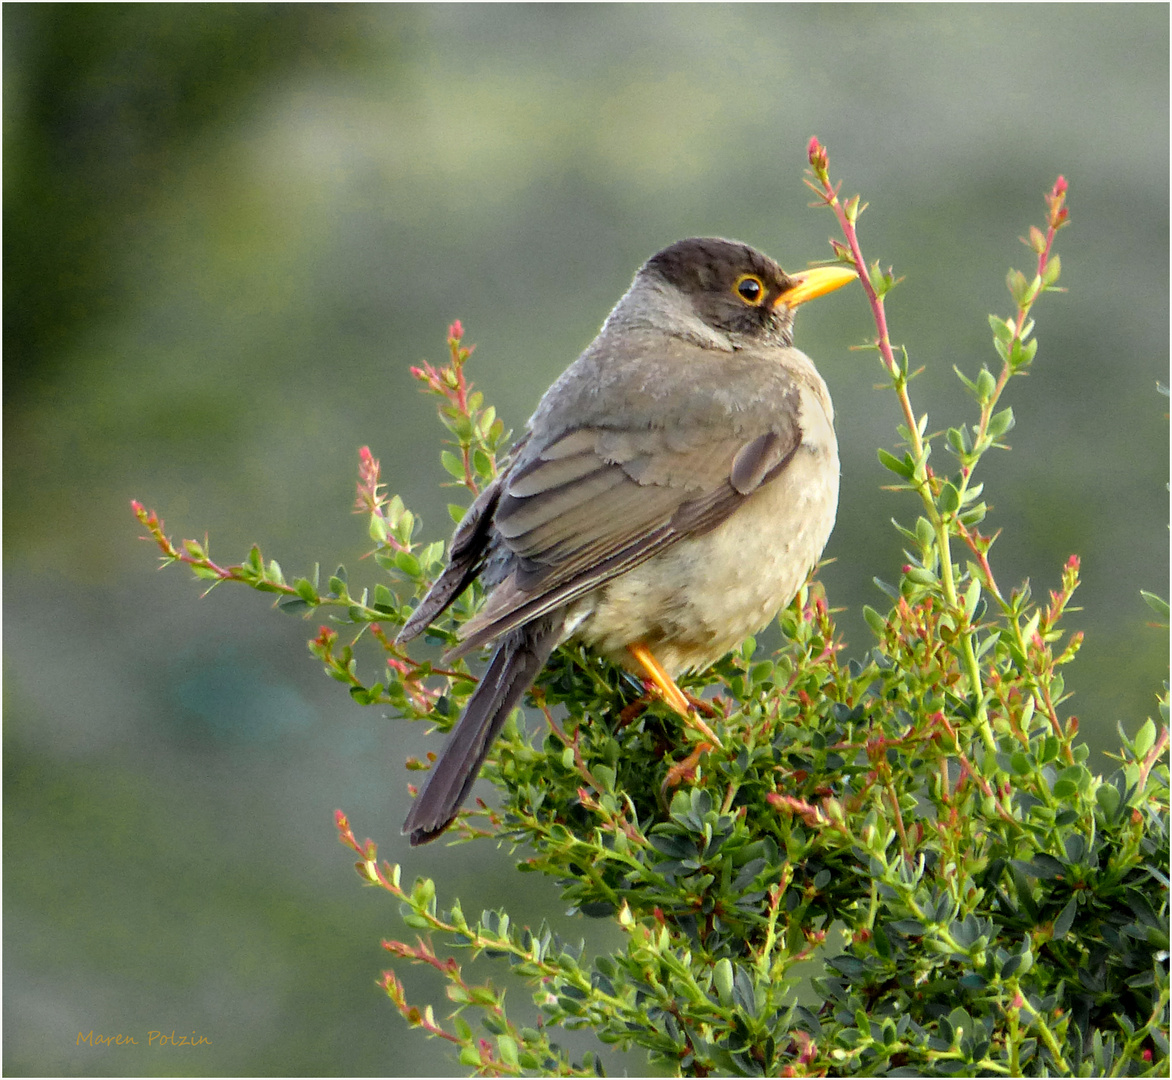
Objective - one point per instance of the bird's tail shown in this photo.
(519, 656)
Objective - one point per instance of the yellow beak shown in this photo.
(816, 282)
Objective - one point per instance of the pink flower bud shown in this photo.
(819, 158)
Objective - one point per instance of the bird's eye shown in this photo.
(749, 288)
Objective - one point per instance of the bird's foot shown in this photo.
(671, 693)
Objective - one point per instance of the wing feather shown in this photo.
(599, 501)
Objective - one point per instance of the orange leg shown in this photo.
(666, 685)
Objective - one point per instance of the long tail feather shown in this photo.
(519, 657)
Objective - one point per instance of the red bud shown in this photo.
(819, 158)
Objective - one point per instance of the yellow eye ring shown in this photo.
(750, 288)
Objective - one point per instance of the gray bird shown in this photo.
(670, 494)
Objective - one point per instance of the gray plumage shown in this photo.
(687, 405)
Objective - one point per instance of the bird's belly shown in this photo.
(698, 599)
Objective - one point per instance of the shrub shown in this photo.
(919, 819)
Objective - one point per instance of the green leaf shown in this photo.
(722, 980)
(408, 563)
(453, 464)
(1145, 739)
(761, 672)
(1002, 330)
(1000, 423)
(1157, 603)
(969, 384)
(875, 621)
(508, 1050)
(925, 533)
(958, 439)
(904, 468)
(971, 597)
(974, 515)
(482, 463)
(1065, 920)
(1023, 353)
(921, 575)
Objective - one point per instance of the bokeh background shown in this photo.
(228, 232)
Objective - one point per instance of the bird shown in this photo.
(670, 494)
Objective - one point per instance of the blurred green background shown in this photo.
(228, 232)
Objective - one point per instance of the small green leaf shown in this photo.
(969, 384)
(1065, 920)
(761, 672)
(971, 595)
(722, 980)
(925, 533)
(958, 439)
(875, 621)
(920, 575)
(1157, 603)
(903, 468)
(1145, 739)
(1000, 423)
(1002, 331)
(974, 515)
(453, 464)
(508, 1050)
(482, 463)
(1023, 353)
(408, 563)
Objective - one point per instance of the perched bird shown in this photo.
(670, 494)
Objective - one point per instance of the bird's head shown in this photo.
(724, 291)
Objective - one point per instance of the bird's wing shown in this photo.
(598, 501)
(465, 557)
